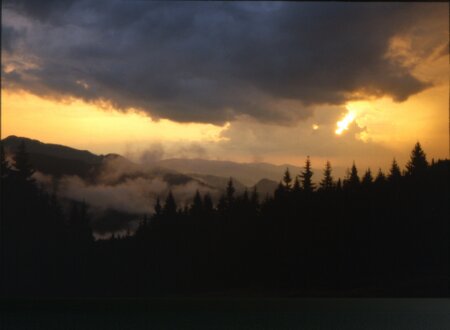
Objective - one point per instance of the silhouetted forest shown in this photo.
(371, 234)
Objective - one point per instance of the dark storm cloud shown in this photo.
(210, 61)
(42, 9)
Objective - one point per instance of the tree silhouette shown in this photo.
(279, 192)
(418, 162)
(306, 175)
(24, 170)
(367, 179)
(197, 205)
(327, 182)
(5, 168)
(339, 185)
(208, 204)
(352, 181)
(222, 205)
(287, 179)
(296, 187)
(380, 178)
(170, 206)
(394, 172)
(230, 192)
(374, 239)
(157, 207)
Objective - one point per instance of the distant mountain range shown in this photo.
(58, 160)
(248, 173)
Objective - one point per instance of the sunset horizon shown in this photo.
(166, 162)
(342, 109)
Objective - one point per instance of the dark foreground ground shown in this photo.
(227, 313)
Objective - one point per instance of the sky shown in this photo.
(242, 81)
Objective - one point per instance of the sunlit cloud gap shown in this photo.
(345, 122)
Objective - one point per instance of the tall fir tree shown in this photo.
(306, 175)
(418, 161)
(367, 179)
(230, 192)
(158, 207)
(394, 172)
(352, 181)
(327, 182)
(296, 187)
(197, 205)
(380, 178)
(170, 206)
(287, 179)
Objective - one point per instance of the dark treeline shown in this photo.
(370, 234)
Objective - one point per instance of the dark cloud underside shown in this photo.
(210, 61)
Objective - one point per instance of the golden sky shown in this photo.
(87, 126)
(371, 130)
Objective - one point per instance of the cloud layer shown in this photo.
(210, 61)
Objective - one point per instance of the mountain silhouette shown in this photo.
(59, 160)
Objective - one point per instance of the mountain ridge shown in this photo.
(54, 159)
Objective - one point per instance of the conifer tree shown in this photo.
(367, 178)
(287, 179)
(352, 181)
(279, 192)
(222, 205)
(327, 182)
(296, 187)
(141, 230)
(24, 170)
(197, 205)
(394, 172)
(380, 178)
(418, 162)
(158, 208)
(207, 203)
(306, 175)
(339, 185)
(230, 192)
(170, 206)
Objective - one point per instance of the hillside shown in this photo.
(59, 160)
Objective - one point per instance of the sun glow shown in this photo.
(87, 126)
(343, 124)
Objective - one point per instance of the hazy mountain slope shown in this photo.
(218, 181)
(54, 150)
(114, 169)
(56, 160)
(110, 169)
(247, 173)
